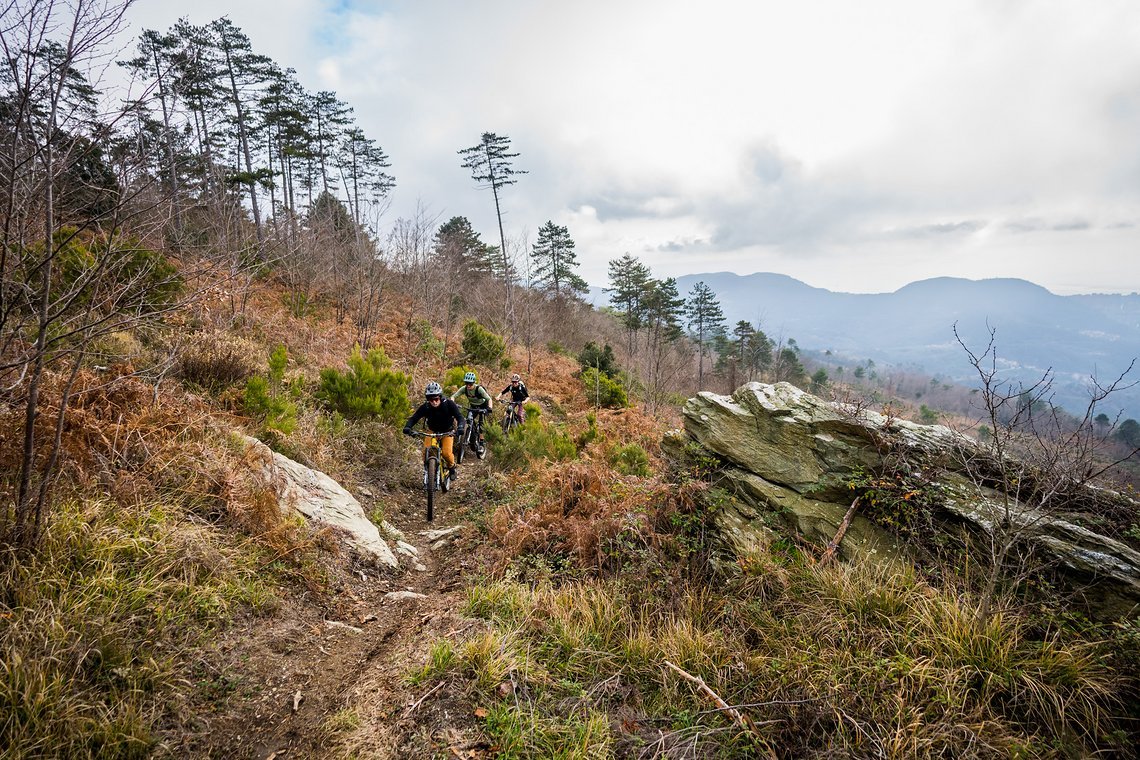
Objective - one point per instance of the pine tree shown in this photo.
(242, 70)
(490, 164)
(555, 261)
(287, 139)
(663, 310)
(330, 121)
(458, 246)
(629, 282)
(155, 59)
(705, 316)
(363, 167)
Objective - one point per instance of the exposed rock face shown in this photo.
(789, 457)
(319, 498)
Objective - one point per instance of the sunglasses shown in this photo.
(434, 398)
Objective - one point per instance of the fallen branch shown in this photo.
(345, 626)
(770, 703)
(833, 547)
(742, 720)
(437, 687)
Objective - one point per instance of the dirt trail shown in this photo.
(326, 676)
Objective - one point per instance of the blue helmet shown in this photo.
(469, 377)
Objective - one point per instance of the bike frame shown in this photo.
(511, 416)
(471, 433)
(433, 460)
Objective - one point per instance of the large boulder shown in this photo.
(318, 498)
(790, 459)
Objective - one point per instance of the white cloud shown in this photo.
(855, 146)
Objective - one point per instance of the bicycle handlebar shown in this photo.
(422, 434)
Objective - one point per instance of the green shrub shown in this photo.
(482, 346)
(532, 441)
(452, 380)
(428, 343)
(264, 401)
(278, 361)
(601, 359)
(276, 414)
(630, 459)
(151, 281)
(555, 443)
(604, 391)
(370, 388)
(115, 274)
(591, 433)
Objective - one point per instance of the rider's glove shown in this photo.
(459, 431)
(407, 431)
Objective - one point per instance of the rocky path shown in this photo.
(326, 676)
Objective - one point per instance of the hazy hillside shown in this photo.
(1075, 336)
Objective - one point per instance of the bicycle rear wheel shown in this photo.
(431, 469)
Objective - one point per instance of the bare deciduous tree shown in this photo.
(1037, 459)
(68, 272)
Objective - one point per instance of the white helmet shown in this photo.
(433, 389)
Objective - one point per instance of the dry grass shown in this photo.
(96, 625)
(847, 660)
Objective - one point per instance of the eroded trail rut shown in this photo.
(327, 676)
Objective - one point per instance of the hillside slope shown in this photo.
(1075, 337)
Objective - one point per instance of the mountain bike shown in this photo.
(511, 417)
(472, 433)
(434, 479)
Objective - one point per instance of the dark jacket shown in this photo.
(517, 394)
(437, 419)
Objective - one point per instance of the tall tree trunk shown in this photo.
(168, 134)
(244, 143)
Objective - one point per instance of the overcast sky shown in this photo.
(854, 146)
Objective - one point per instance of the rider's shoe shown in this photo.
(453, 473)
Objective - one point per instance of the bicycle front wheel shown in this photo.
(431, 472)
(461, 445)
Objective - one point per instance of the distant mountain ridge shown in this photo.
(1076, 336)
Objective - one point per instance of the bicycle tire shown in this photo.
(507, 423)
(480, 446)
(461, 447)
(432, 468)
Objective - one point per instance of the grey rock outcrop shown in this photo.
(318, 498)
(789, 457)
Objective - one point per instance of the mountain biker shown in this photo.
(519, 394)
(478, 399)
(440, 415)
